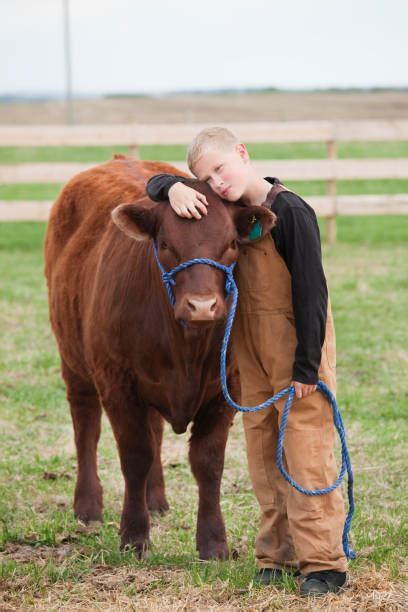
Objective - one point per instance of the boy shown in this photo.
(283, 334)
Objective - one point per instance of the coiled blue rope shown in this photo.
(232, 289)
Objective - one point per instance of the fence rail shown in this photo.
(331, 169)
(128, 134)
(302, 169)
(324, 206)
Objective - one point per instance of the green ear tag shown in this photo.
(256, 231)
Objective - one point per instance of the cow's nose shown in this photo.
(202, 308)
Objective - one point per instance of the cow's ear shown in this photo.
(253, 222)
(137, 221)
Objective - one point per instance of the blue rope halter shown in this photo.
(168, 277)
(232, 289)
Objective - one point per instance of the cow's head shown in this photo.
(199, 290)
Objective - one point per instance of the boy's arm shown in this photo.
(298, 240)
(158, 186)
(184, 200)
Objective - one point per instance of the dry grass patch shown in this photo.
(107, 588)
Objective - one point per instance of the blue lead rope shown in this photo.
(232, 289)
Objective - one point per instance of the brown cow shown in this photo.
(123, 347)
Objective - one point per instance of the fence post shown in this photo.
(134, 151)
(331, 189)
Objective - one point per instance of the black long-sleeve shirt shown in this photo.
(297, 239)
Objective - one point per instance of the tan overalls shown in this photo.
(296, 530)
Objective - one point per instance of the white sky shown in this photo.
(142, 46)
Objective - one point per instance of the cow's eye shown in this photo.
(163, 245)
(233, 244)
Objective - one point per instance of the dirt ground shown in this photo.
(213, 108)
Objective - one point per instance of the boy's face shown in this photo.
(226, 172)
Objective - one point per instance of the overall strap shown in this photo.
(276, 189)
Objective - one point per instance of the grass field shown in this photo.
(49, 561)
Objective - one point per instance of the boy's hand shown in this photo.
(187, 202)
(303, 390)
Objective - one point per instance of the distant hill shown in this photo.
(12, 98)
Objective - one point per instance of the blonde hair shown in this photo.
(210, 139)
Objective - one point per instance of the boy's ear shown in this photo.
(253, 222)
(137, 221)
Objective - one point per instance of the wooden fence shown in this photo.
(331, 169)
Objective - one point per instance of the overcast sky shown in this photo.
(159, 45)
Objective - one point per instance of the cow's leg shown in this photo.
(135, 440)
(207, 448)
(86, 417)
(156, 495)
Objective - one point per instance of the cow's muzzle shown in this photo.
(199, 309)
(195, 308)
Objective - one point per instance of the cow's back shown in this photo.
(81, 213)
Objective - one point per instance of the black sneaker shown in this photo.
(321, 583)
(270, 575)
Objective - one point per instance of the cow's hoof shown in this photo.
(140, 548)
(213, 550)
(159, 505)
(88, 502)
(88, 511)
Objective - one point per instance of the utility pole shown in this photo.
(70, 118)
